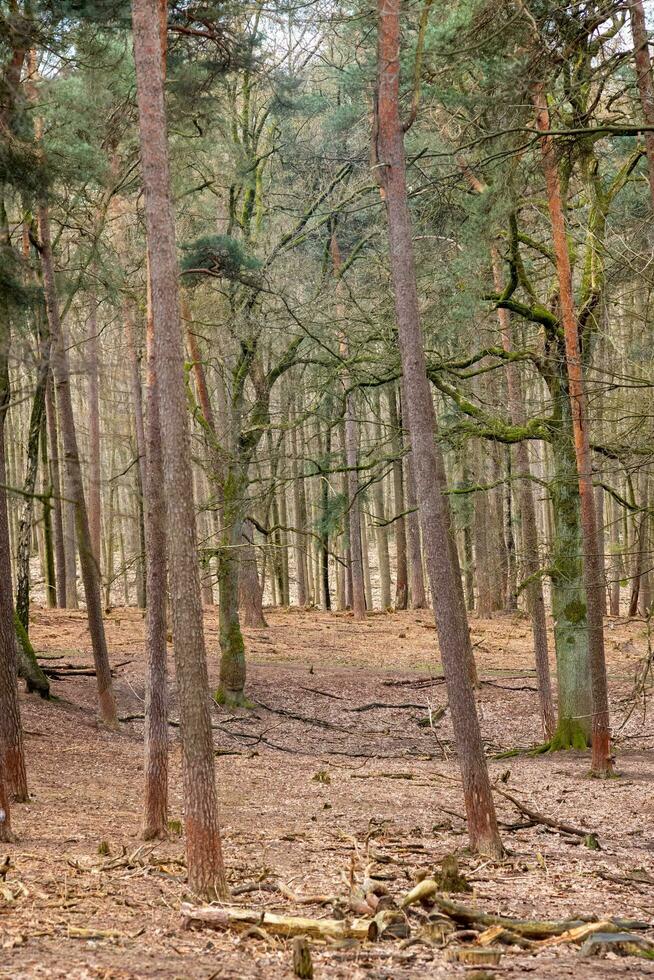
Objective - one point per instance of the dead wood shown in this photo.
(542, 818)
(277, 925)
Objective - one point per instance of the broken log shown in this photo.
(277, 925)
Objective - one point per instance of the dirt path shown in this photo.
(335, 767)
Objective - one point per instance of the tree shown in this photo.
(440, 549)
(203, 846)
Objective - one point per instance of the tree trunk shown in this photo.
(417, 597)
(6, 835)
(644, 79)
(592, 567)
(95, 471)
(401, 580)
(90, 570)
(55, 484)
(139, 428)
(206, 872)
(29, 486)
(49, 573)
(351, 458)
(435, 518)
(250, 592)
(155, 814)
(616, 560)
(12, 760)
(532, 569)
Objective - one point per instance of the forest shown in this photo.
(326, 489)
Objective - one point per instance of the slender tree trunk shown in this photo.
(90, 570)
(299, 519)
(95, 470)
(351, 460)
(644, 79)
(535, 597)
(435, 518)
(46, 486)
(417, 597)
(401, 581)
(616, 563)
(206, 871)
(155, 815)
(12, 760)
(29, 486)
(139, 428)
(593, 571)
(55, 483)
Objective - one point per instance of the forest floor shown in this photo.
(330, 770)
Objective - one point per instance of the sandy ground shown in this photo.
(313, 789)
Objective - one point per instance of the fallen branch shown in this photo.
(543, 819)
(277, 925)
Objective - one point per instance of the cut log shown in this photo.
(277, 925)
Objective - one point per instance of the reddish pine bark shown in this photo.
(593, 566)
(644, 79)
(206, 872)
(155, 816)
(435, 518)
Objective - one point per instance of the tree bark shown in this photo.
(11, 734)
(90, 570)
(593, 570)
(155, 811)
(95, 470)
(206, 871)
(399, 524)
(644, 80)
(417, 597)
(535, 597)
(55, 484)
(139, 428)
(435, 518)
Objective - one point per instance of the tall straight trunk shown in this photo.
(12, 759)
(644, 79)
(615, 573)
(326, 600)
(46, 502)
(95, 470)
(509, 537)
(29, 486)
(70, 542)
(483, 570)
(535, 596)
(206, 872)
(399, 524)
(155, 748)
(57, 503)
(365, 557)
(351, 457)
(139, 428)
(299, 519)
(601, 547)
(592, 566)
(417, 597)
(435, 518)
(90, 570)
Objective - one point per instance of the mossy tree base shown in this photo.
(232, 699)
(569, 735)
